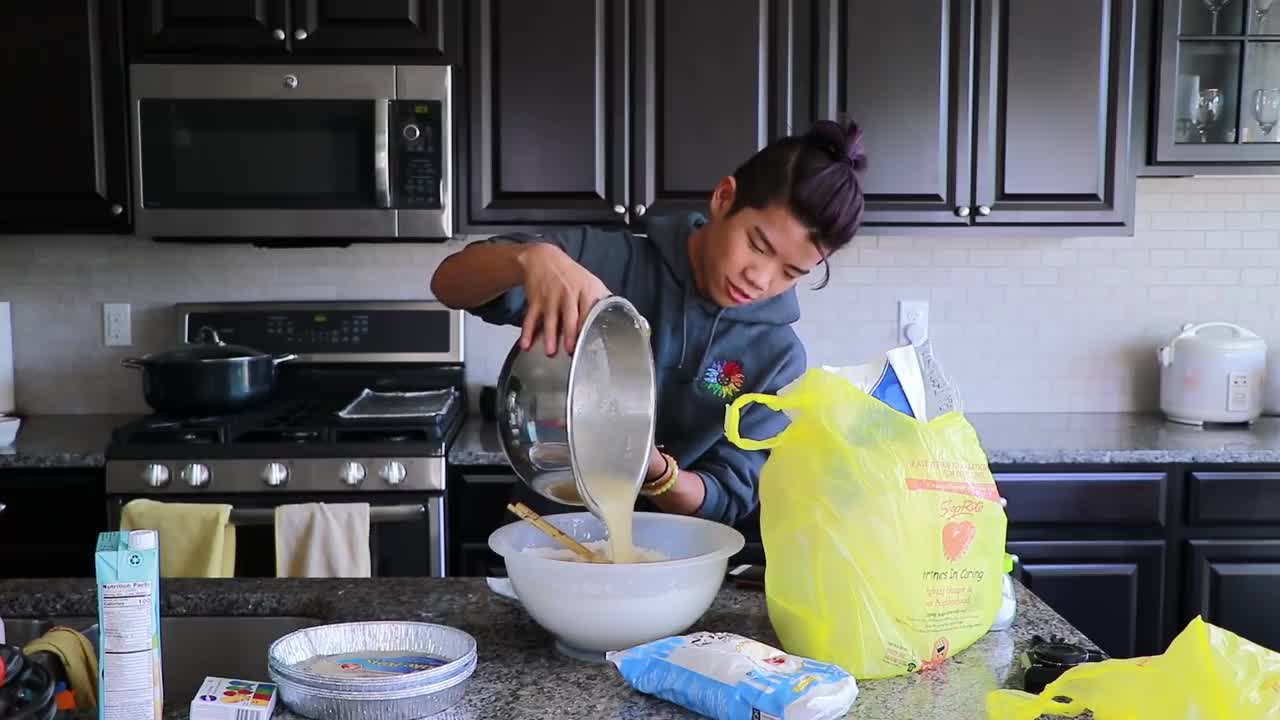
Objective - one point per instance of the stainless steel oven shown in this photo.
(406, 531)
(255, 151)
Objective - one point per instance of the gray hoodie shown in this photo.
(705, 355)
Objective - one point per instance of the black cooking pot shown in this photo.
(207, 377)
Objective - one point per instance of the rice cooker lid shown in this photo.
(1218, 336)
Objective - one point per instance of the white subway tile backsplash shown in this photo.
(1021, 324)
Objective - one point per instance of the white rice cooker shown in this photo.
(1213, 373)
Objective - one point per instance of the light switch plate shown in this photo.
(117, 326)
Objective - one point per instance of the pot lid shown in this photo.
(208, 346)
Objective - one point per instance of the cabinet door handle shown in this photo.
(619, 209)
(299, 34)
(117, 209)
(983, 210)
(962, 211)
(639, 209)
(381, 152)
(3, 507)
(277, 34)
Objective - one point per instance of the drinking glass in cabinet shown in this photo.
(1261, 16)
(1260, 103)
(1207, 91)
(1266, 112)
(1215, 7)
(1207, 111)
(1212, 17)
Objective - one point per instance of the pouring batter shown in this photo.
(717, 290)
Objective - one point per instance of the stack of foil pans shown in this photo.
(314, 688)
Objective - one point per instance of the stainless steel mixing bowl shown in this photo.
(588, 415)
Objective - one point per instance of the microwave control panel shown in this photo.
(418, 158)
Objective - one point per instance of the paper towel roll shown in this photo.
(6, 360)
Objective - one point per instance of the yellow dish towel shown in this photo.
(196, 539)
(78, 659)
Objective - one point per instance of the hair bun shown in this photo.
(842, 142)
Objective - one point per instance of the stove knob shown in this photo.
(275, 474)
(393, 472)
(195, 475)
(352, 473)
(156, 476)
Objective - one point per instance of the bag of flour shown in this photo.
(729, 677)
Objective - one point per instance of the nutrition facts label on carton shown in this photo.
(129, 656)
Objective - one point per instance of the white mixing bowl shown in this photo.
(593, 608)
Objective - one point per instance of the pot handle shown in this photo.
(276, 360)
(208, 335)
(135, 363)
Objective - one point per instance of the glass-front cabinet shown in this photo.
(1219, 95)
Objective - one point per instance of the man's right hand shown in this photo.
(559, 293)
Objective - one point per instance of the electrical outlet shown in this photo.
(913, 314)
(117, 328)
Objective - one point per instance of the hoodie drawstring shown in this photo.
(706, 353)
(684, 326)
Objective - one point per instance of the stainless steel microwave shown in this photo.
(255, 151)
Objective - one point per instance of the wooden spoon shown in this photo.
(523, 511)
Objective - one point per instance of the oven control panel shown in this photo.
(415, 331)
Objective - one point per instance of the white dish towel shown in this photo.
(323, 540)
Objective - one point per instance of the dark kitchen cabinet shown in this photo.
(409, 31)
(49, 521)
(694, 122)
(1216, 96)
(1112, 591)
(208, 26)
(1054, 119)
(547, 120)
(1233, 584)
(1000, 113)
(906, 76)
(65, 168)
(590, 112)
(366, 26)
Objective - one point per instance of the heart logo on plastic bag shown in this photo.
(956, 539)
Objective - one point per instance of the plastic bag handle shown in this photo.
(733, 416)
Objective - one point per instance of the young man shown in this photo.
(719, 294)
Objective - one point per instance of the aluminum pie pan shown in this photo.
(381, 694)
(308, 703)
(292, 656)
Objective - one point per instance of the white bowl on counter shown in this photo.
(593, 608)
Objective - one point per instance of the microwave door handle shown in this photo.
(379, 515)
(381, 152)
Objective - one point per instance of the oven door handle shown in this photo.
(380, 515)
(382, 152)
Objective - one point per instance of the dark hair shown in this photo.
(817, 176)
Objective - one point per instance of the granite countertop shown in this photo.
(520, 675)
(1043, 439)
(71, 441)
(62, 441)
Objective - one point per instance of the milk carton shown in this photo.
(128, 572)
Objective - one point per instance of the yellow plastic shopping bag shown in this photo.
(884, 535)
(1207, 673)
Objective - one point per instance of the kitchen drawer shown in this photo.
(1231, 498)
(1127, 499)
